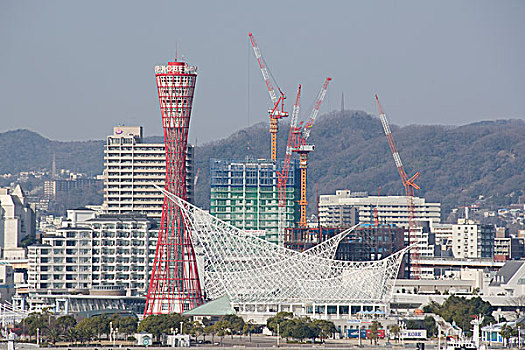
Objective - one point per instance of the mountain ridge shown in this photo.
(457, 163)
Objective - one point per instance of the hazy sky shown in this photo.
(71, 70)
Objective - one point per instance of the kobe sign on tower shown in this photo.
(174, 285)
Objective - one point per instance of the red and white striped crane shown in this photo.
(277, 111)
(409, 185)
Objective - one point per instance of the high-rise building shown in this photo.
(131, 168)
(244, 194)
(174, 284)
(390, 209)
(17, 220)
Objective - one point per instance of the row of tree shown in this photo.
(66, 328)
(286, 325)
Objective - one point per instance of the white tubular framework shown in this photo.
(251, 270)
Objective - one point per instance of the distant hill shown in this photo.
(24, 150)
(456, 163)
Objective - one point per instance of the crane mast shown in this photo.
(303, 149)
(282, 176)
(277, 111)
(409, 185)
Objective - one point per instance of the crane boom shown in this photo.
(410, 186)
(264, 69)
(395, 154)
(275, 113)
(313, 116)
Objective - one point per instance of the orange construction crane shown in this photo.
(376, 216)
(303, 149)
(277, 111)
(282, 176)
(409, 185)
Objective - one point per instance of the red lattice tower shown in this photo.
(174, 285)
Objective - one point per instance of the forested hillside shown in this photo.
(457, 164)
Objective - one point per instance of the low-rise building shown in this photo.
(104, 250)
(390, 209)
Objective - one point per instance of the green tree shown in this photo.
(128, 325)
(395, 330)
(64, 323)
(249, 328)
(303, 330)
(210, 329)
(506, 333)
(71, 335)
(272, 322)
(159, 324)
(100, 324)
(33, 322)
(222, 328)
(234, 323)
(53, 335)
(86, 330)
(374, 331)
(196, 329)
(286, 328)
(460, 310)
(326, 328)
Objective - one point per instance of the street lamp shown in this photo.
(115, 336)
(181, 327)
(278, 334)
(111, 331)
(403, 327)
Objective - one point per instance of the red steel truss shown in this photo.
(174, 284)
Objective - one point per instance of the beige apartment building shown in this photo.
(131, 169)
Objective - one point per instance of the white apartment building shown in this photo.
(105, 250)
(131, 167)
(390, 209)
(17, 220)
(472, 240)
(62, 262)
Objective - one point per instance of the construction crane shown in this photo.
(409, 185)
(282, 176)
(277, 111)
(376, 216)
(303, 149)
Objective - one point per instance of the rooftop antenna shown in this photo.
(176, 50)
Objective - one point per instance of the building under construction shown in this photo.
(366, 242)
(244, 194)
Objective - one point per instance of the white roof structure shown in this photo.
(251, 270)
